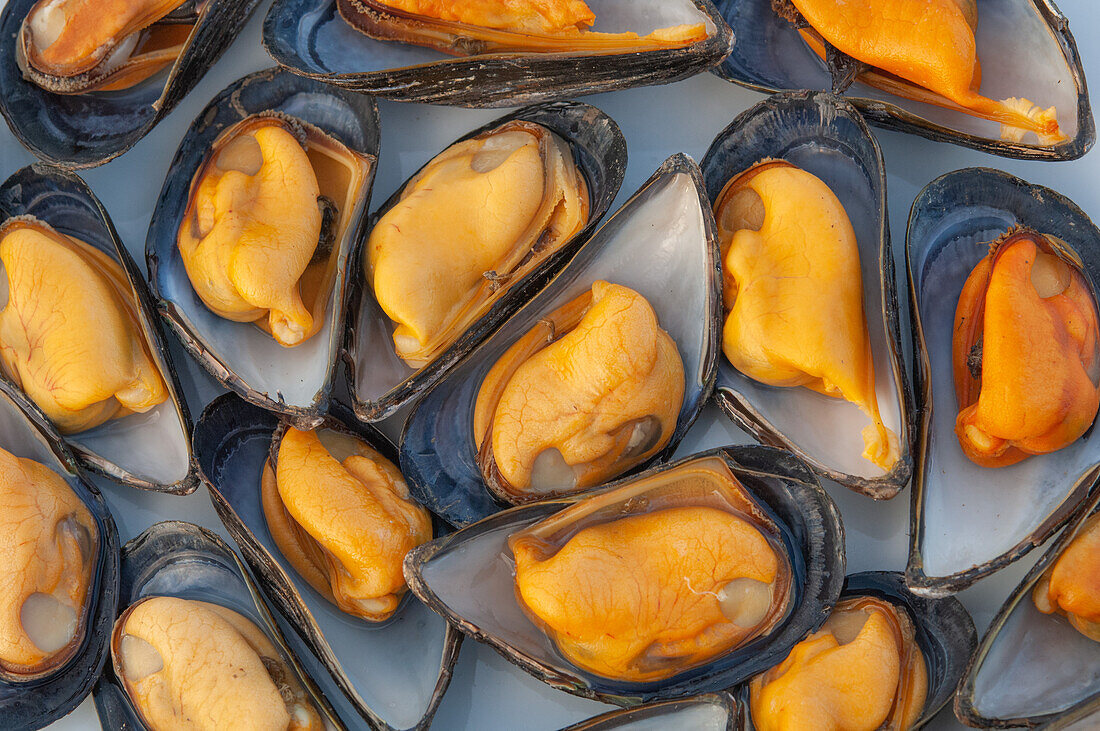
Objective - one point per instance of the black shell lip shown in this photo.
(1033, 201)
(824, 112)
(795, 491)
(892, 117)
(40, 189)
(181, 546)
(38, 702)
(82, 131)
(599, 149)
(269, 89)
(225, 423)
(491, 80)
(438, 462)
(656, 712)
(964, 707)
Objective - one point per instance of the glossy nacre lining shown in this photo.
(70, 335)
(592, 390)
(646, 581)
(48, 547)
(474, 220)
(793, 292)
(1071, 587)
(1025, 352)
(863, 670)
(190, 665)
(341, 515)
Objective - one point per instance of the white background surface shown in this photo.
(658, 121)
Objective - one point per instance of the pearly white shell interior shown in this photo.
(152, 446)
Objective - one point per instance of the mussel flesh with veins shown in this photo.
(696, 572)
(476, 219)
(1025, 352)
(793, 292)
(1071, 587)
(592, 390)
(70, 335)
(76, 46)
(190, 664)
(341, 514)
(473, 27)
(49, 543)
(923, 50)
(862, 670)
(263, 215)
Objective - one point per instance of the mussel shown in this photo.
(655, 263)
(336, 575)
(710, 712)
(810, 301)
(1042, 350)
(507, 53)
(687, 578)
(937, 69)
(83, 80)
(273, 158)
(1071, 586)
(193, 641)
(60, 570)
(80, 337)
(467, 240)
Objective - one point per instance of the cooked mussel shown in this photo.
(1071, 586)
(592, 390)
(687, 578)
(341, 514)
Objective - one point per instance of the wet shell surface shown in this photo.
(33, 697)
(676, 274)
(295, 381)
(150, 448)
(772, 485)
(952, 224)
(379, 380)
(392, 674)
(1025, 48)
(78, 130)
(711, 712)
(172, 562)
(825, 136)
(310, 37)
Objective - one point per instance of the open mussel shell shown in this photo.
(395, 673)
(1025, 48)
(824, 135)
(309, 37)
(177, 559)
(151, 451)
(662, 244)
(379, 381)
(468, 577)
(35, 701)
(297, 381)
(950, 226)
(710, 712)
(84, 130)
(1033, 669)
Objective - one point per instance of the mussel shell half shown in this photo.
(298, 381)
(309, 37)
(824, 135)
(394, 674)
(379, 381)
(85, 130)
(466, 578)
(1017, 508)
(36, 702)
(151, 451)
(710, 712)
(184, 560)
(1033, 669)
(678, 275)
(1025, 48)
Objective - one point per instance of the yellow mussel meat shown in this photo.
(1071, 587)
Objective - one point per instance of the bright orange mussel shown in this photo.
(1071, 587)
